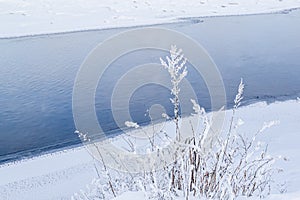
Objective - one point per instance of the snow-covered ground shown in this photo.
(28, 17)
(61, 174)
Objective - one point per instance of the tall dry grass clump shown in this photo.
(235, 166)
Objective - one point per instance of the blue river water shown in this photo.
(37, 75)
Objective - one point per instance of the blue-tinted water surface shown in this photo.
(37, 75)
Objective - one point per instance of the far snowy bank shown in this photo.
(31, 17)
(60, 175)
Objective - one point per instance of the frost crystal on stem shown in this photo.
(177, 70)
(239, 96)
(131, 124)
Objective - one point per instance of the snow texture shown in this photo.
(30, 17)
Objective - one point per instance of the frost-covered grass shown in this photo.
(28, 17)
(207, 164)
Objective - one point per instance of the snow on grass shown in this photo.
(59, 175)
(28, 17)
(140, 196)
(282, 141)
